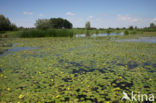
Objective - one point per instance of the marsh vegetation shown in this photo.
(76, 70)
(50, 65)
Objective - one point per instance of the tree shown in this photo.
(56, 23)
(67, 24)
(152, 25)
(87, 25)
(126, 32)
(42, 24)
(13, 27)
(131, 28)
(59, 23)
(5, 24)
(136, 27)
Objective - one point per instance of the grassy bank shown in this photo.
(5, 44)
(30, 33)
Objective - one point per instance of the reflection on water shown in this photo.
(141, 39)
(16, 49)
(99, 35)
(80, 35)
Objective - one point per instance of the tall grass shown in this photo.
(92, 31)
(68, 32)
(47, 33)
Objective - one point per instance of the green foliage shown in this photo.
(42, 24)
(60, 23)
(72, 70)
(152, 25)
(133, 32)
(87, 25)
(46, 33)
(5, 24)
(126, 32)
(53, 23)
(108, 31)
(149, 29)
(131, 28)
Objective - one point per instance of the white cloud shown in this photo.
(41, 15)
(70, 14)
(127, 18)
(153, 20)
(28, 13)
(90, 17)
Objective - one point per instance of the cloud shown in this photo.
(41, 15)
(127, 18)
(28, 13)
(153, 20)
(70, 14)
(90, 17)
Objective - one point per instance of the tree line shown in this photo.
(53, 23)
(6, 25)
(56, 23)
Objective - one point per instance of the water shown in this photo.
(99, 35)
(16, 49)
(141, 39)
(80, 35)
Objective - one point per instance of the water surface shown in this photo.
(99, 35)
(16, 49)
(140, 39)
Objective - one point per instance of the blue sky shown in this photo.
(101, 13)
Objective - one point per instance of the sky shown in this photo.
(100, 13)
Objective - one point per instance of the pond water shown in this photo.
(16, 49)
(99, 35)
(140, 39)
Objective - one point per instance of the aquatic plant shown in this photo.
(76, 70)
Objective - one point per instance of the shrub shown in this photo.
(132, 32)
(126, 32)
(87, 25)
(42, 24)
(46, 33)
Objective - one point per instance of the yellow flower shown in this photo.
(5, 77)
(8, 89)
(57, 96)
(150, 79)
(104, 64)
(39, 72)
(107, 102)
(52, 80)
(116, 89)
(1, 75)
(18, 102)
(68, 88)
(20, 96)
(120, 77)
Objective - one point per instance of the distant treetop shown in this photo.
(5, 24)
(56, 23)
